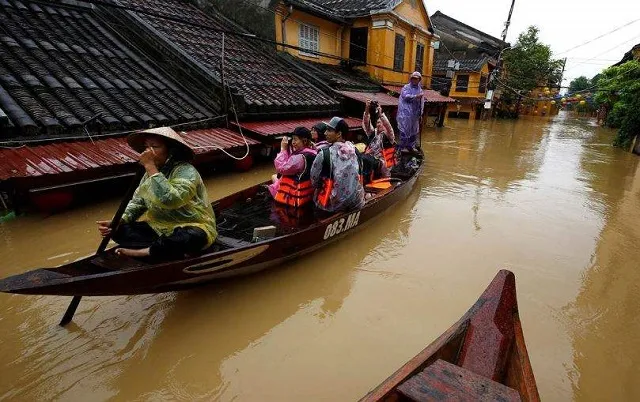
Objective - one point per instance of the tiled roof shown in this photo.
(350, 8)
(381, 97)
(73, 156)
(465, 33)
(466, 65)
(59, 66)
(281, 127)
(263, 82)
(336, 76)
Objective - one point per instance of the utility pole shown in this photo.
(492, 78)
(564, 63)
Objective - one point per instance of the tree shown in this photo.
(619, 92)
(528, 65)
(579, 84)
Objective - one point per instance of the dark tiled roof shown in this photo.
(348, 8)
(628, 56)
(466, 65)
(462, 32)
(335, 76)
(254, 73)
(60, 66)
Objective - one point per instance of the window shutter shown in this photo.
(398, 54)
(419, 57)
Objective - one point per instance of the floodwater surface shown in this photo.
(549, 199)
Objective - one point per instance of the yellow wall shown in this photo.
(413, 14)
(452, 107)
(328, 39)
(334, 40)
(473, 89)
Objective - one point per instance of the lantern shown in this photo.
(582, 102)
(578, 96)
(563, 100)
(553, 102)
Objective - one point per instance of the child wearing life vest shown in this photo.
(379, 135)
(336, 171)
(292, 185)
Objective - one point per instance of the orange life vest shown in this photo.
(389, 152)
(389, 156)
(296, 191)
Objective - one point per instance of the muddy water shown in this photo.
(547, 199)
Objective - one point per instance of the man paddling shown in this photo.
(180, 219)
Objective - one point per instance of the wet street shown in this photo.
(549, 199)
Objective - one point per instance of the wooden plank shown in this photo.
(443, 381)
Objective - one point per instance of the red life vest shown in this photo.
(296, 190)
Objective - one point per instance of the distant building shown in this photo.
(463, 62)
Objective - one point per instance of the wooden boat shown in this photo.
(482, 357)
(236, 251)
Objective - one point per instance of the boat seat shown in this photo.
(230, 242)
(445, 381)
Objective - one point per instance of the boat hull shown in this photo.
(481, 357)
(109, 275)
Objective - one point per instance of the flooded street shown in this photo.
(549, 199)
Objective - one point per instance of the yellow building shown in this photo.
(468, 85)
(388, 39)
(463, 63)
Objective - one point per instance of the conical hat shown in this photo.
(136, 140)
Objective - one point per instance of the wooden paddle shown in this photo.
(71, 310)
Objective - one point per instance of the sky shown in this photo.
(563, 24)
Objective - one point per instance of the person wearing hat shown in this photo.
(179, 218)
(293, 164)
(410, 106)
(336, 170)
(318, 137)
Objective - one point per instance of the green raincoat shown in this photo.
(174, 201)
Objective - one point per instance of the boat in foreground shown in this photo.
(482, 357)
(242, 247)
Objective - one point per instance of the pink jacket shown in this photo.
(289, 164)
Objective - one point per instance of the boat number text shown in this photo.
(341, 225)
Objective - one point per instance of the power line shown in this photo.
(598, 37)
(606, 51)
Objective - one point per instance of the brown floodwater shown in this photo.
(549, 199)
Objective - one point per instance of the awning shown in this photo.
(430, 96)
(83, 155)
(382, 98)
(281, 127)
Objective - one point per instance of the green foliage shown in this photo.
(619, 91)
(579, 84)
(528, 65)
(615, 116)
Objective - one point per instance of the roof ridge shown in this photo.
(439, 13)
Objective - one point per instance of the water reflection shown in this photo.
(604, 316)
(547, 198)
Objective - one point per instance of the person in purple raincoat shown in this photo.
(409, 112)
